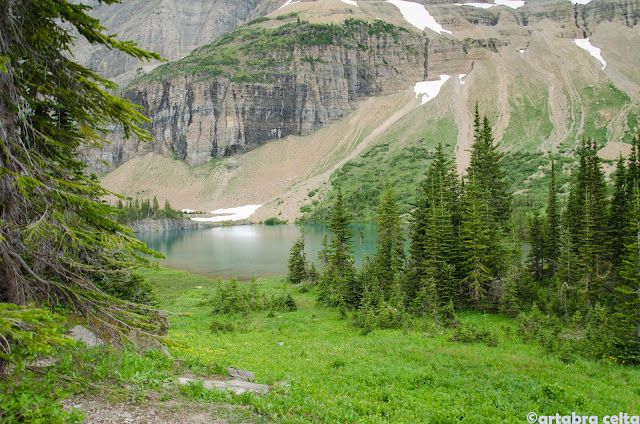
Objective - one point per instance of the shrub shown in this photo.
(222, 326)
(274, 221)
(28, 333)
(232, 298)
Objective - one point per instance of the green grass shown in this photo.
(336, 375)
(401, 158)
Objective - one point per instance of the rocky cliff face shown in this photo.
(279, 90)
(172, 28)
(282, 76)
(168, 224)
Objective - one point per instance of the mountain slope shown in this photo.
(541, 91)
(172, 28)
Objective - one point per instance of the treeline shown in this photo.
(134, 210)
(579, 288)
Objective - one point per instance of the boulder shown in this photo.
(240, 374)
(144, 343)
(84, 335)
(236, 386)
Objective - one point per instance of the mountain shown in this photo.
(172, 28)
(322, 92)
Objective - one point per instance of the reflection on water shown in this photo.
(246, 250)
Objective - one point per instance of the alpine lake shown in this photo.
(248, 250)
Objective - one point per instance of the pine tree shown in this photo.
(476, 243)
(552, 240)
(536, 255)
(486, 168)
(297, 262)
(626, 298)
(340, 263)
(156, 207)
(389, 257)
(586, 219)
(618, 217)
(435, 246)
(56, 238)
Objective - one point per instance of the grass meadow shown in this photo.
(333, 374)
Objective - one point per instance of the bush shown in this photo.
(467, 333)
(232, 298)
(31, 399)
(274, 221)
(133, 288)
(27, 333)
(222, 326)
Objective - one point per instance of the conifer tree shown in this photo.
(618, 217)
(434, 244)
(57, 239)
(389, 257)
(340, 263)
(552, 240)
(476, 243)
(536, 255)
(298, 262)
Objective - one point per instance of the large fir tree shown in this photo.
(57, 240)
(389, 258)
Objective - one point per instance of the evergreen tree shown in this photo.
(298, 262)
(435, 246)
(389, 257)
(536, 255)
(56, 238)
(618, 217)
(586, 219)
(156, 207)
(552, 241)
(340, 271)
(487, 170)
(476, 243)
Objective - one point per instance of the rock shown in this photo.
(168, 224)
(81, 334)
(144, 343)
(236, 386)
(240, 374)
(198, 119)
(163, 324)
(172, 28)
(44, 362)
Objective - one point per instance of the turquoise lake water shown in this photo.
(246, 250)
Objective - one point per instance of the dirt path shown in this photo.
(160, 408)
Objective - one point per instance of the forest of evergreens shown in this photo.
(133, 210)
(577, 293)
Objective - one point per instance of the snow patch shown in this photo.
(514, 4)
(188, 211)
(593, 50)
(351, 2)
(480, 5)
(521, 51)
(461, 77)
(418, 16)
(288, 3)
(428, 90)
(230, 214)
(579, 1)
